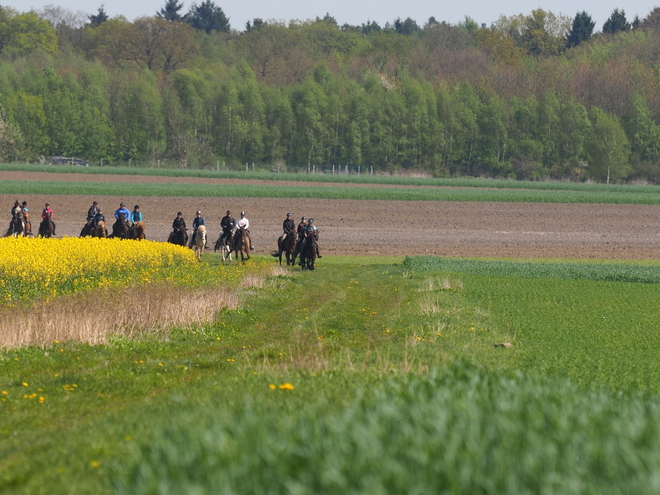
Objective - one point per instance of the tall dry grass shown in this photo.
(95, 317)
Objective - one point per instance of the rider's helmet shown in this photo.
(310, 221)
(289, 215)
(47, 204)
(243, 213)
(95, 203)
(228, 212)
(178, 213)
(137, 207)
(303, 218)
(199, 212)
(122, 205)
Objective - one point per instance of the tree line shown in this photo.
(529, 97)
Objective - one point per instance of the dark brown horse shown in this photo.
(241, 245)
(120, 228)
(179, 237)
(308, 251)
(287, 246)
(17, 225)
(137, 231)
(46, 227)
(87, 229)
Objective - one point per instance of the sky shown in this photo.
(359, 12)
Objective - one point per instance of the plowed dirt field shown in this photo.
(393, 228)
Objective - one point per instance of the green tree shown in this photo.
(136, 111)
(608, 150)
(208, 17)
(582, 29)
(616, 23)
(98, 19)
(170, 12)
(23, 34)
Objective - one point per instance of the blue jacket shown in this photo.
(127, 214)
(197, 222)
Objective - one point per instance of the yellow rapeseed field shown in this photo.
(31, 267)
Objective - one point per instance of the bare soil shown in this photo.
(392, 228)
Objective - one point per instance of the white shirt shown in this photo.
(243, 223)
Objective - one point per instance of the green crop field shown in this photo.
(633, 196)
(337, 178)
(369, 375)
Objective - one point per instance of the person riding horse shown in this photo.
(91, 213)
(179, 228)
(26, 218)
(122, 210)
(288, 228)
(310, 231)
(47, 213)
(98, 217)
(244, 224)
(228, 223)
(197, 223)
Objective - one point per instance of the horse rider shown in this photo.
(136, 214)
(48, 213)
(301, 232)
(98, 217)
(310, 230)
(122, 210)
(228, 223)
(91, 213)
(244, 223)
(197, 222)
(179, 222)
(288, 227)
(15, 209)
(28, 223)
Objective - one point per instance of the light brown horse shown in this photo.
(200, 242)
(99, 230)
(242, 244)
(28, 224)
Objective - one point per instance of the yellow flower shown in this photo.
(95, 464)
(25, 384)
(286, 386)
(272, 386)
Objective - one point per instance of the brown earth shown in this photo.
(393, 228)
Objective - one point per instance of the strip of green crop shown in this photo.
(358, 193)
(339, 179)
(610, 272)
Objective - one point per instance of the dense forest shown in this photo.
(535, 96)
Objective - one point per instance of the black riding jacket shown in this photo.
(91, 213)
(288, 225)
(227, 223)
(178, 223)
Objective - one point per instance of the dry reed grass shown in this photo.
(95, 317)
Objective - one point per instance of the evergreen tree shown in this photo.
(409, 26)
(98, 19)
(583, 28)
(616, 23)
(207, 17)
(171, 11)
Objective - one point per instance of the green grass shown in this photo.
(632, 196)
(397, 388)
